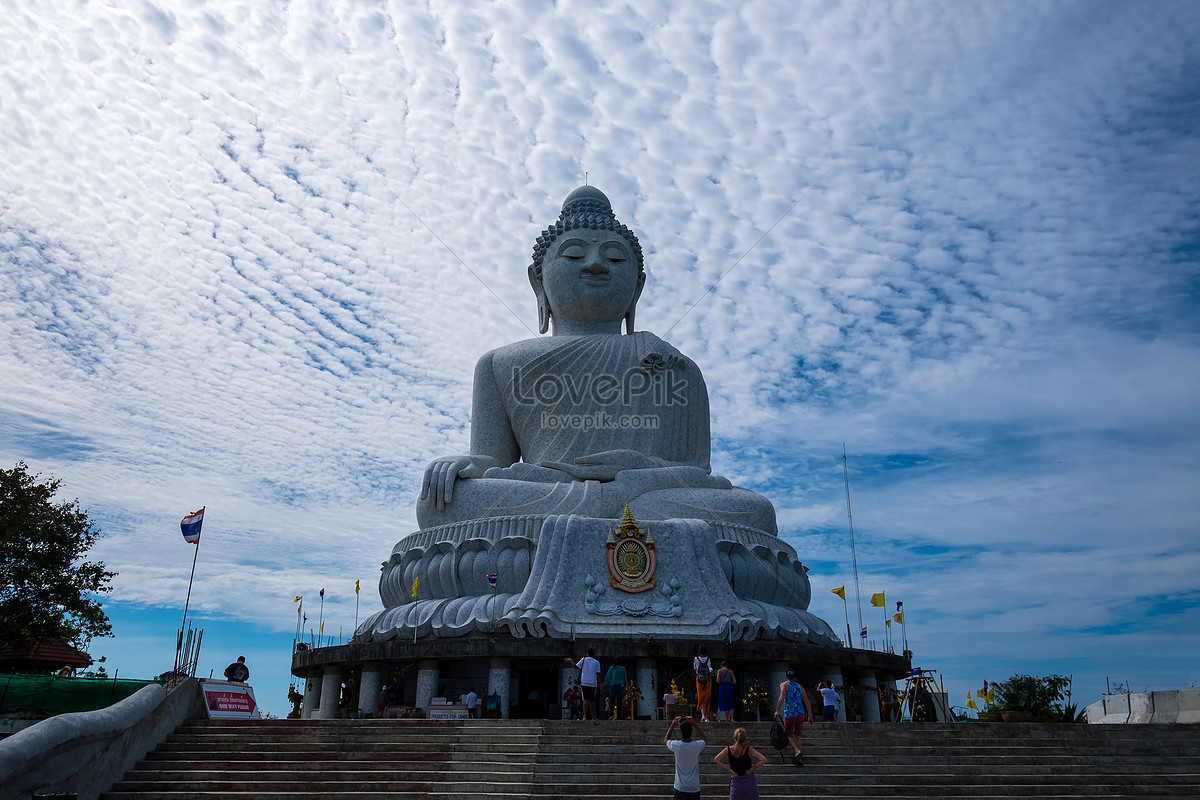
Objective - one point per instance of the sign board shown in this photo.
(448, 712)
(229, 700)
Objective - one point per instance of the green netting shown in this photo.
(47, 695)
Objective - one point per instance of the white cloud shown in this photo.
(252, 252)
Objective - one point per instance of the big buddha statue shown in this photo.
(585, 443)
(588, 419)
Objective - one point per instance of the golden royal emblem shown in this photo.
(631, 558)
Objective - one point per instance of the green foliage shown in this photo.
(1033, 694)
(47, 589)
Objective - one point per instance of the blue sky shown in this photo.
(251, 252)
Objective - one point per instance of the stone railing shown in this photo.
(1139, 708)
(84, 753)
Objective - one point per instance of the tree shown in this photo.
(1038, 695)
(47, 589)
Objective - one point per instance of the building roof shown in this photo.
(48, 654)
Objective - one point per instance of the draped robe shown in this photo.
(548, 401)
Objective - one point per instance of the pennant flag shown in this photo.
(322, 591)
(299, 608)
(991, 696)
(864, 632)
(190, 525)
(971, 703)
(899, 606)
(877, 600)
(305, 620)
(981, 694)
(888, 622)
(299, 597)
(356, 587)
(840, 591)
(322, 629)
(492, 576)
(899, 618)
(414, 591)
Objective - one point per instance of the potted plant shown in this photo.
(1026, 698)
(757, 700)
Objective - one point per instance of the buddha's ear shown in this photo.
(535, 280)
(637, 293)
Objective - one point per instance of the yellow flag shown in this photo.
(991, 696)
(971, 703)
(899, 617)
(888, 622)
(414, 592)
(321, 631)
(877, 600)
(840, 592)
(981, 694)
(299, 597)
(356, 587)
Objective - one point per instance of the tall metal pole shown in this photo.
(853, 551)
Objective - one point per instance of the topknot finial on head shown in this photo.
(589, 196)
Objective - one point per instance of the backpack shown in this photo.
(703, 670)
(779, 739)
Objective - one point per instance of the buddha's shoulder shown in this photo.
(641, 346)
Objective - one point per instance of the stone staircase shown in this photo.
(357, 760)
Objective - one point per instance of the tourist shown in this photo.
(725, 683)
(741, 760)
(615, 679)
(381, 702)
(887, 704)
(793, 707)
(668, 704)
(829, 698)
(589, 676)
(702, 666)
(574, 701)
(238, 671)
(472, 704)
(687, 756)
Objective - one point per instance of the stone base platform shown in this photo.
(567, 576)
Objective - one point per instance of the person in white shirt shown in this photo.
(472, 703)
(687, 756)
(589, 678)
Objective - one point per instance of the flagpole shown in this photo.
(853, 551)
(188, 601)
(321, 619)
(355, 607)
(846, 611)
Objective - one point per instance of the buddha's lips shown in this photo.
(595, 276)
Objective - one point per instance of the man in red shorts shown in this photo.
(794, 708)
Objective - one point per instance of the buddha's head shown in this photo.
(587, 266)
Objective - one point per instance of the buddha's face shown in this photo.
(590, 276)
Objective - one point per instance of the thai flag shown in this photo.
(190, 525)
(864, 632)
(492, 579)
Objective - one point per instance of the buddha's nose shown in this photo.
(596, 266)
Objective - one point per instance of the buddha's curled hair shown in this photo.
(587, 207)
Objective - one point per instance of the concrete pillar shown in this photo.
(312, 694)
(427, 683)
(869, 697)
(778, 676)
(368, 690)
(498, 679)
(331, 692)
(566, 678)
(645, 681)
